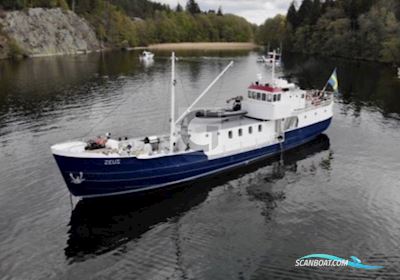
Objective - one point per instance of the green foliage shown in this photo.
(272, 32)
(192, 7)
(21, 4)
(14, 50)
(292, 17)
(179, 8)
(361, 29)
(219, 13)
(305, 12)
(128, 23)
(139, 8)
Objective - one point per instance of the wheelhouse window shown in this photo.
(259, 128)
(278, 98)
(253, 94)
(250, 129)
(258, 95)
(269, 97)
(264, 97)
(249, 94)
(230, 134)
(275, 98)
(240, 132)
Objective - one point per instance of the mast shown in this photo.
(172, 122)
(273, 66)
(204, 92)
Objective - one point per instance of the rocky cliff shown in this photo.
(41, 32)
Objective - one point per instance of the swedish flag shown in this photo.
(333, 81)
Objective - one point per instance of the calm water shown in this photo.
(338, 195)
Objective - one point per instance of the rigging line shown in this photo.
(123, 100)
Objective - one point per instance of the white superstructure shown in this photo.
(259, 118)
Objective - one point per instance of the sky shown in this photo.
(255, 11)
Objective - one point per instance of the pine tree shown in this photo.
(305, 12)
(315, 12)
(292, 17)
(179, 8)
(192, 7)
(219, 13)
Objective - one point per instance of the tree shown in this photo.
(192, 7)
(315, 12)
(272, 32)
(292, 17)
(305, 12)
(219, 13)
(179, 8)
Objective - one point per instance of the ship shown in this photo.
(266, 120)
(146, 55)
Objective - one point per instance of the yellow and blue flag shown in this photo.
(333, 81)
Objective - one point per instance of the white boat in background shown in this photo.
(261, 59)
(269, 118)
(146, 55)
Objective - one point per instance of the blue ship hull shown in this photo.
(135, 175)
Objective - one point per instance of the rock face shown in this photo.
(40, 32)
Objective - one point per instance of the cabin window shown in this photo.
(264, 97)
(278, 97)
(253, 94)
(275, 97)
(230, 134)
(259, 128)
(258, 96)
(250, 129)
(269, 97)
(240, 132)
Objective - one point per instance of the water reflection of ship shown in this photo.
(99, 226)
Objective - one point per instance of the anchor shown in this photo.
(78, 180)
